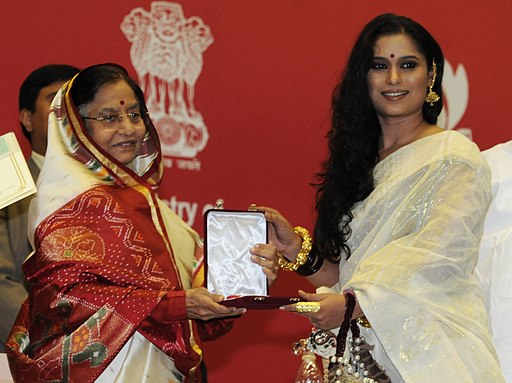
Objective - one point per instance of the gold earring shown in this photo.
(432, 96)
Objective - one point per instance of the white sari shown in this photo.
(414, 247)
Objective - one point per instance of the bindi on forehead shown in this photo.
(121, 102)
(392, 55)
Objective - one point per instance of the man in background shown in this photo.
(35, 97)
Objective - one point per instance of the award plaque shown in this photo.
(229, 271)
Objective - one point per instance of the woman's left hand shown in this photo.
(265, 255)
(331, 313)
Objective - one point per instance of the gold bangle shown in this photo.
(302, 256)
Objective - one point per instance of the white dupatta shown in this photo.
(414, 248)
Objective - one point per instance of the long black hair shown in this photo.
(353, 140)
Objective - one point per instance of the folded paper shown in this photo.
(17, 182)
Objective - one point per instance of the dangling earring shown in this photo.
(432, 96)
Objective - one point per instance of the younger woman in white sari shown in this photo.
(400, 205)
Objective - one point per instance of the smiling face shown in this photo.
(121, 139)
(398, 78)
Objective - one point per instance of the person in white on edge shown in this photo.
(494, 267)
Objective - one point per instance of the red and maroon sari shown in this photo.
(110, 260)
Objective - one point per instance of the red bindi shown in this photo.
(392, 55)
(122, 102)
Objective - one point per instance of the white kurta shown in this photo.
(414, 248)
(494, 267)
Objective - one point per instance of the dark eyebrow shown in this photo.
(113, 110)
(109, 110)
(50, 96)
(408, 57)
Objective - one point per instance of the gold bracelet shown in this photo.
(302, 256)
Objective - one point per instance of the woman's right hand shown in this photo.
(203, 305)
(281, 233)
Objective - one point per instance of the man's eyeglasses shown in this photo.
(115, 119)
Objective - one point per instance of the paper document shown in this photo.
(15, 179)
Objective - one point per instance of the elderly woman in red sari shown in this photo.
(114, 272)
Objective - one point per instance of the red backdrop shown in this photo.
(262, 96)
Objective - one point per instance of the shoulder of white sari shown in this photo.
(442, 146)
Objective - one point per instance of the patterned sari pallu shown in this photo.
(89, 298)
